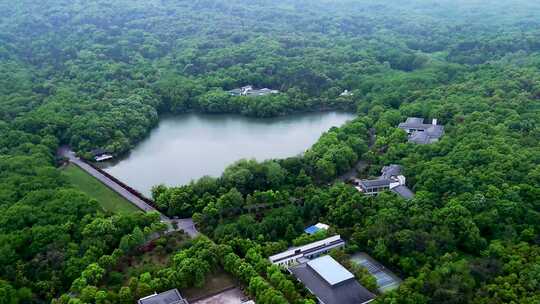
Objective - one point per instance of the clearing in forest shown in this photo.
(107, 199)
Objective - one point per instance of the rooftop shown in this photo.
(346, 292)
(346, 93)
(316, 228)
(430, 135)
(413, 122)
(403, 191)
(372, 183)
(391, 170)
(250, 91)
(312, 229)
(168, 297)
(330, 270)
(422, 133)
(391, 177)
(300, 251)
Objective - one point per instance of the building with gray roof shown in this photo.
(403, 191)
(373, 186)
(391, 170)
(330, 282)
(250, 91)
(172, 296)
(421, 133)
(390, 179)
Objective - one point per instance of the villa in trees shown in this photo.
(172, 296)
(421, 133)
(250, 91)
(390, 179)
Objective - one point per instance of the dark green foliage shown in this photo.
(96, 74)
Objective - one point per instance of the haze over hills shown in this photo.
(446, 91)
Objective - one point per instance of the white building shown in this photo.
(250, 91)
(330, 282)
(346, 93)
(294, 256)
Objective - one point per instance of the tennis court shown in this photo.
(386, 279)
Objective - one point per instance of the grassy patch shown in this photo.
(107, 198)
(215, 282)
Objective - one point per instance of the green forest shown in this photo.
(99, 73)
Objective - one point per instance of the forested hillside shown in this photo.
(99, 74)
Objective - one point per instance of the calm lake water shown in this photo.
(187, 147)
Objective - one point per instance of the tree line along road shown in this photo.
(186, 224)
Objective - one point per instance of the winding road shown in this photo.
(186, 224)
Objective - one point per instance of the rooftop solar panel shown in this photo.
(330, 270)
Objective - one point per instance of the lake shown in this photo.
(186, 147)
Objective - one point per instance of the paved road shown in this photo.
(360, 165)
(185, 224)
(182, 224)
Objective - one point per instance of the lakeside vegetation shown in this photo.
(98, 74)
(106, 198)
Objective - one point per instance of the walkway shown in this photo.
(182, 224)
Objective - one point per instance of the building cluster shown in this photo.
(250, 91)
(421, 133)
(323, 276)
(390, 179)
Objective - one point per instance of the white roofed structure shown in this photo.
(311, 250)
(330, 270)
(322, 226)
(330, 282)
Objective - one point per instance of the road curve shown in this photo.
(182, 224)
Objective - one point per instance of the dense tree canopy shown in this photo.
(98, 74)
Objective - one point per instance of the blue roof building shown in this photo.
(316, 228)
(312, 229)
